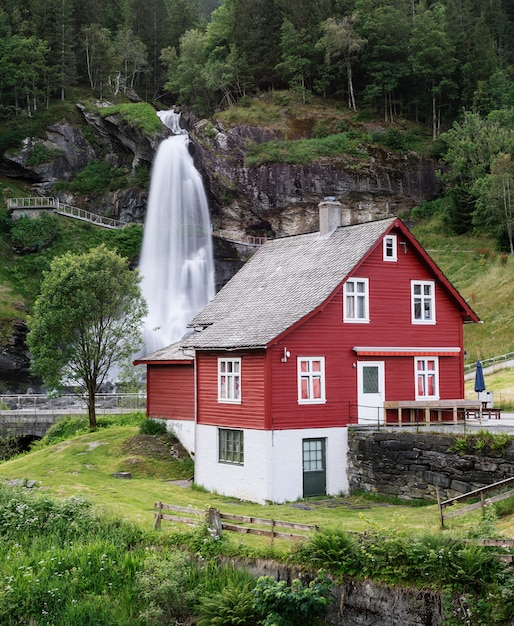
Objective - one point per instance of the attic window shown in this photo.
(356, 300)
(390, 248)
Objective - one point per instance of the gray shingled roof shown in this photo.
(282, 283)
(174, 352)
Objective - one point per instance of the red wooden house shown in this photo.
(313, 334)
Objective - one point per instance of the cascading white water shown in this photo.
(176, 262)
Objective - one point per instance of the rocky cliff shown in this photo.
(284, 198)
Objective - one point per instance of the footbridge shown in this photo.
(34, 206)
(33, 414)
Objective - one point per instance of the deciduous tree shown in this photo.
(87, 318)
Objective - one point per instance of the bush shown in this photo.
(97, 178)
(232, 606)
(34, 234)
(153, 427)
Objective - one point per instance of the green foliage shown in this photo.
(232, 606)
(88, 317)
(303, 151)
(34, 234)
(97, 178)
(166, 586)
(153, 427)
(61, 562)
(332, 549)
(140, 115)
(73, 426)
(482, 441)
(280, 604)
(40, 154)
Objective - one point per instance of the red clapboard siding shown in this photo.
(170, 391)
(325, 334)
(251, 412)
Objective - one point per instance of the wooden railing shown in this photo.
(215, 520)
(479, 494)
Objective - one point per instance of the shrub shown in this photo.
(97, 178)
(153, 427)
(34, 234)
(278, 604)
(331, 549)
(232, 606)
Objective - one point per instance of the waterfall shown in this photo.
(176, 263)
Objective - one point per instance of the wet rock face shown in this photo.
(287, 196)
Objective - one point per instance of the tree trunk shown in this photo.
(351, 97)
(91, 410)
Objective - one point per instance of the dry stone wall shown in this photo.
(411, 465)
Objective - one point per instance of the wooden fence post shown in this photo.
(214, 522)
(158, 515)
(441, 516)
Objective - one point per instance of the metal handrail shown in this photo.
(64, 209)
(487, 362)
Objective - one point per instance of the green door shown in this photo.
(314, 468)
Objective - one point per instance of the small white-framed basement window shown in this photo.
(229, 380)
(311, 380)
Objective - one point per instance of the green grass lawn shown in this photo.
(83, 466)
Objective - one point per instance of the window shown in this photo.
(229, 380)
(356, 307)
(311, 380)
(423, 302)
(390, 248)
(427, 378)
(231, 447)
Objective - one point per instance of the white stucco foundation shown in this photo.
(184, 430)
(272, 469)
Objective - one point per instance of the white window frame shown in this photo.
(390, 248)
(229, 380)
(354, 296)
(424, 373)
(310, 376)
(231, 446)
(423, 300)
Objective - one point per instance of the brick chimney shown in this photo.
(329, 215)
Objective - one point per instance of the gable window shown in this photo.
(229, 380)
(390, 248)
(423, 301)
(427, 378)
(231, 447)
(311, 380)
(356, 300)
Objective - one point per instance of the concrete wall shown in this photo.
(410, 465)
(362, 602)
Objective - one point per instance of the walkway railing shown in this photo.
(237, 236)
(41, 402)
(64, 209)
(495, 360)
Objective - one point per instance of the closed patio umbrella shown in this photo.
(479, 378)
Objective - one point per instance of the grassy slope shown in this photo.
(83, 466)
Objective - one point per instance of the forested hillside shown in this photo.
(435, 63)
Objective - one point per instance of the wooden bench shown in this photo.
(486, 413)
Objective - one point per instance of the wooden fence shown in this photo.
(214, 518)
(477, 494)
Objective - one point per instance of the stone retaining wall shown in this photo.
(411, 465)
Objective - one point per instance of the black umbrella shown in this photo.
(479, 378)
